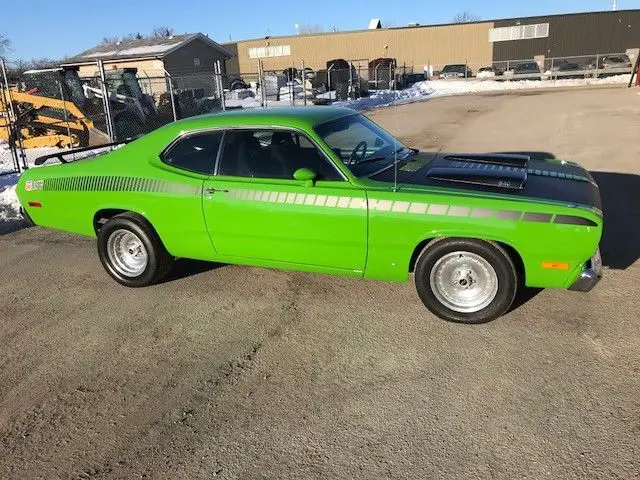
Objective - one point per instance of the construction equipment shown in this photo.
(133, 111)
(55, 109)
(46, 114)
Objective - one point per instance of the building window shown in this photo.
(519, 32)
(270, 51)
(196, 62)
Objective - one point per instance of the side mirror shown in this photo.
(305, 175)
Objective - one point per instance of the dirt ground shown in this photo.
(238, 372)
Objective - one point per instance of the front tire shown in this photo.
(131, 251)
(466, 280)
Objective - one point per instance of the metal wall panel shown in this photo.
(574, 34)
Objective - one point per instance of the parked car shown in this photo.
(406, 80)
(527, 71)
(615, 62)
(610, 65)
(489, 72)
(567, 70)
(326, 190)
(456, 71)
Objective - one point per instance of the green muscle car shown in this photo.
(324, 189)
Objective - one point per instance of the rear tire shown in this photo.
(466, 280)
(131, 251)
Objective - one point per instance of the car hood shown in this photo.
(521, 176)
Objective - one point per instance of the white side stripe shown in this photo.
(358, 203)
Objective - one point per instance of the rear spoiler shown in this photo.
(504, 159)
(63, 155)
(512, 180)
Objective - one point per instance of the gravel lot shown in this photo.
(240, 372)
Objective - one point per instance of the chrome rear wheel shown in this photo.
(127, 253)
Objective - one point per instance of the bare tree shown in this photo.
(466, 17)
(110, 39)
(40, 63)
(162, 31)
(310, 28)
(5, 45)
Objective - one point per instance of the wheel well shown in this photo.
(103, 216)
(512, 252)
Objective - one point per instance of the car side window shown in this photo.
(272, 154)
(196, 153)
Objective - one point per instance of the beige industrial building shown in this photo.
(477, 43)
(416, 46)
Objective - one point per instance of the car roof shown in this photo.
(297, 117)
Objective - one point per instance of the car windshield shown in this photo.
(363, 146)
(453, 69)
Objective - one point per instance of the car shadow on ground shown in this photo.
(184, 267)
(620, 193)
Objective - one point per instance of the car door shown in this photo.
(255, 208)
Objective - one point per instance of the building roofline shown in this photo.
(84, 57)
(406, 27)
(109, 60)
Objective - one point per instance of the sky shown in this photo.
(55, 29)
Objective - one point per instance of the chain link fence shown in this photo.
(55, 108)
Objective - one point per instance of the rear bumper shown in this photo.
(26, 216)
(590, 275)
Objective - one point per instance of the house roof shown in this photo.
(146, 47)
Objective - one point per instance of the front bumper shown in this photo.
(590, 275)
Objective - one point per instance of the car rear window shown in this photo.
(196, 153)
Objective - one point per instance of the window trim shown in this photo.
(185, 136)
(274, 128)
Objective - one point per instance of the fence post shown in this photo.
(105, 101)
(329, 79)
(350, 89)
(263, 88)
(597, 64)
(12, 131)
(217, 72)
(304, 85)
(65, 113)
(291, 84)
(375, 76)
(171, 95)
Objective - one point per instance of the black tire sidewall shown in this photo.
(496, 256)
(150, 241)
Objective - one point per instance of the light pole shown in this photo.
(615, 5)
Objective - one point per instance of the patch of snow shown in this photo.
(441, 88)
(148, 49)
(101, 54)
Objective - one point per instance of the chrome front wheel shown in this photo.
(464, 282)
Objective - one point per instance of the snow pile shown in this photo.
(441, 88)
(9, 204)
